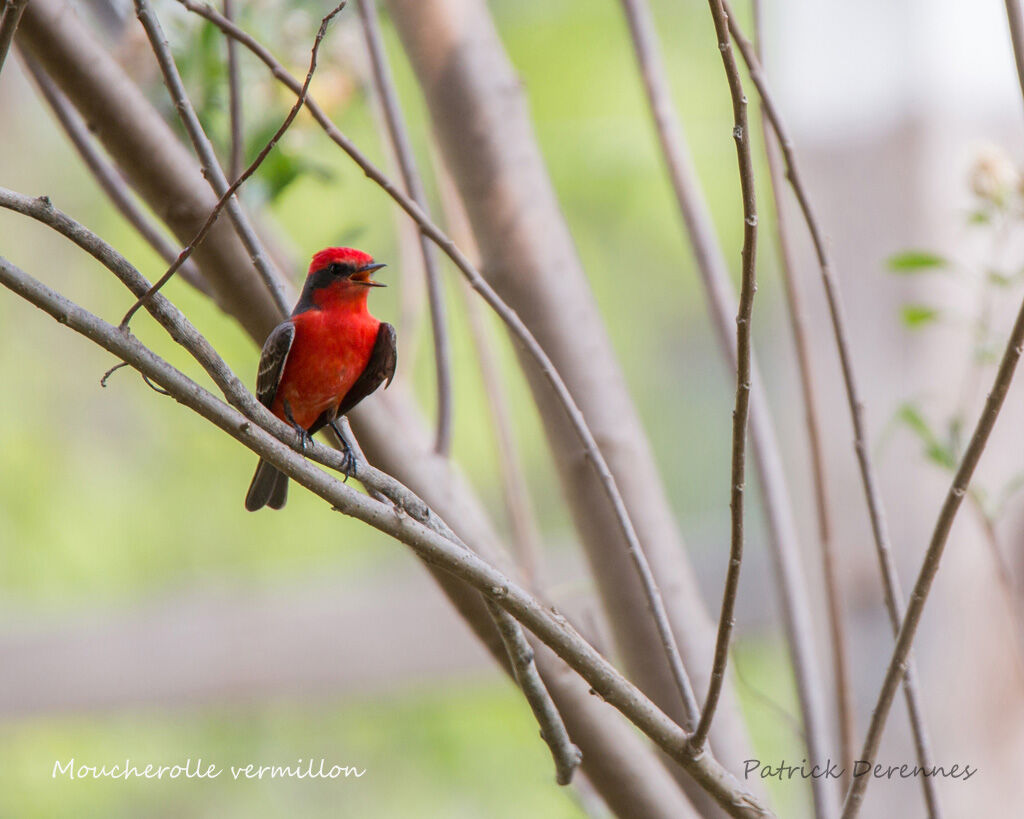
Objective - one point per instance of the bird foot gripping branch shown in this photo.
(323, 360)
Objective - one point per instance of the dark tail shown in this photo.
(269, 487)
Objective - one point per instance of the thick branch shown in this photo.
(430, 546)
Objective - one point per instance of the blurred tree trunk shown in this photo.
(481, 121)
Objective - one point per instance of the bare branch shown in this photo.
(567, 756)
(107, 176)
(808, 390)
(519, 330)
(715, 279)
(399, 138)
(748, 286)
(237, 155)
(430, 546)
(876, 510)
(899, 664)
(204, 150)
(521, 518)
(8, 25)
(225, 197)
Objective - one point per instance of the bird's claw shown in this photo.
(348, 458)
(348, 465)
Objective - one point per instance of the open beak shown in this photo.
(364, 274)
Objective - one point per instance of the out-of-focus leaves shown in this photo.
(987, 353)
(915, 261)
(1010, 488)
(937, 451)
(997, 278)
(281, 166)
(280, 169)
(979, 217)
(915, 316)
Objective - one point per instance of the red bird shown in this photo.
(325, 359)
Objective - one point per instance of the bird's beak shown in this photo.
(366, 272)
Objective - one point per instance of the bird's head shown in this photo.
(340, 274)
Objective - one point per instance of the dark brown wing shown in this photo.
(272, 361)
(380, 368)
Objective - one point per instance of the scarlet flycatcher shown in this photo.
(325, 359)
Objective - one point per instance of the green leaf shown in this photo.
(1000, 279)
(979, 217)
(916, 316)
(915, 261)
(934, 449)
(911, 416)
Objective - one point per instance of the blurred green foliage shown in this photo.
(460, 754)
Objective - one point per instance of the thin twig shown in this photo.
(519, 510)
(398, 135)
(899, 663)
(264, 434)
(211, 166)
(798, 327)
(519, 330)
(111, 371)
(237, 156)
(930, 566)
(741, 134)
(566, 755)
(876, 510)
(8, 25)
(715, 279)
(226, 196)
(106, 175)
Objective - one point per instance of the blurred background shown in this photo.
(144, 614)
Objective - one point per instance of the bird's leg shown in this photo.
(348, 460)
(301, 430)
